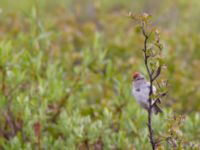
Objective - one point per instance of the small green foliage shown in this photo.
(74, 60)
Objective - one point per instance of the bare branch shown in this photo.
(150, 74)
(157, 73)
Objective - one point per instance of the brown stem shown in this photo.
(3, 86)
(149, 124)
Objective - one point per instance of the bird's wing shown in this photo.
(154, 91)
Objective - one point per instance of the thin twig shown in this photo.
(150, 74)
(157, 73)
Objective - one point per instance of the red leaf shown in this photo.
(37, 128)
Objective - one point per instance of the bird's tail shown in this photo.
(156, 109)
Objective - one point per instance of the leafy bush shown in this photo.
(65, 75)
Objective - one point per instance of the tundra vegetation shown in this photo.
(66, 68)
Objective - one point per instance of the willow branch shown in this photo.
(150, 74)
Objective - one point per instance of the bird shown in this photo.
(141, 89)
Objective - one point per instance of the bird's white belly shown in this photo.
(141, 97)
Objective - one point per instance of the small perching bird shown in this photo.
(141, 89)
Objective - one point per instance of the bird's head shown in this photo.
(137, 76)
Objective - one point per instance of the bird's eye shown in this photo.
(138, 90)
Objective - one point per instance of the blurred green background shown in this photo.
(46, 45)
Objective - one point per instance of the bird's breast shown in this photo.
(141, 94)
